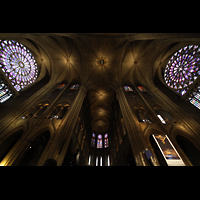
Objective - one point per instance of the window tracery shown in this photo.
(93, 140)
(141, 89)
(183, 69)
(18, 64)
(128, 88)
(74, 87)
(194, 97)
(129, 91)
(99, 141)
(106, 143)
(5, 92)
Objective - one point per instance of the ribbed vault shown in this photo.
(101, 101)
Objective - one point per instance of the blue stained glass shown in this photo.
(182, 67)
(75, 86)
(128, 88)
(16, 58)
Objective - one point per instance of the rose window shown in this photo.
(183, 69)
(18, 64)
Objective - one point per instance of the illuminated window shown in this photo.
(106, 144)
(183, 69)
(101, 161)
(89, 161)
(128, 88)
(61, 86)
(18, 64)
(74, 87)
(5, 93)
(161, 119)
(108, 160)
(163, 115)
(99, 141)
(195, 98)
(93, 140)
(97, 161)
(142, 89)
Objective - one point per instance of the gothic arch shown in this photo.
(187, 144)
(34, 134)
(189, 148)
(33, 149)
(37, 108)
(60, 109)
(186, 135)
(9, 141)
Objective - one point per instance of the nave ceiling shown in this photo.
(102, 62)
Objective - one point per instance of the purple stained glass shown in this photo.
(128, 88)
(182, 69)
(99, 136)
(18, 63)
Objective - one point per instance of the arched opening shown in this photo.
(37, 110)
(59, 111)
(8, 143)
(189, 149)
(35, 150)
(143, 116)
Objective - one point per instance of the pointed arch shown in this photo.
(8, 143)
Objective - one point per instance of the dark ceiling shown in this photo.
(127, 58)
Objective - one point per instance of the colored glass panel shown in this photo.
(183, 69)
(128, 88)
(18, 64)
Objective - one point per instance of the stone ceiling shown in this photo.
(102, 62)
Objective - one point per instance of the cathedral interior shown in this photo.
(99, 99)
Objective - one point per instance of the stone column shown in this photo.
(132, 131)
(59, 144)
(179, 113)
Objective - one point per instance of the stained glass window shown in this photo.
(195, 98)
(18, 64)
(61, 86)
(74, 87)
(127, 88)
(5, 93)
(183, 69)
(93, 140)
(106, 144)
(99, 136)
(99, 141)
(142, 89)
